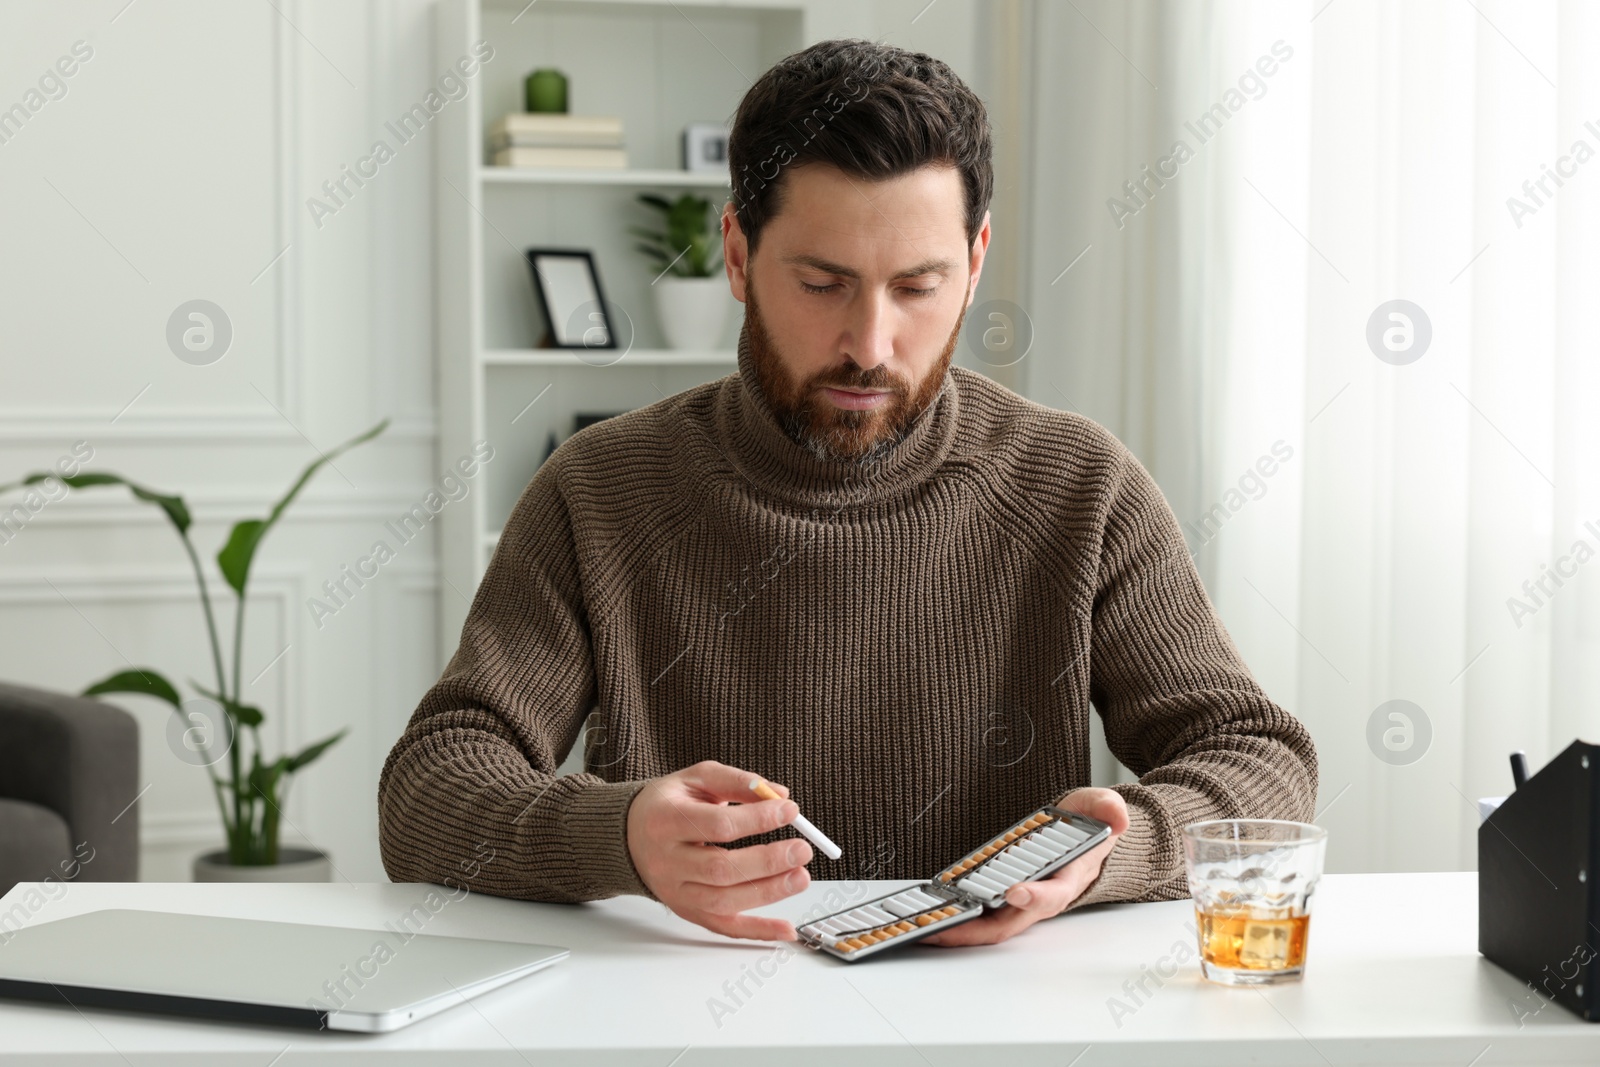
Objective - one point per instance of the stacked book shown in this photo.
(547, 139)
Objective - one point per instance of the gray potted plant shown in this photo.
(691, 295)
(251, 796)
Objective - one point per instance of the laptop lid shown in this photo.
(254, 970)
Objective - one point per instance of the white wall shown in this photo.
(175, 167)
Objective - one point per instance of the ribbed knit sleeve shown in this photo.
(1180, 708)
(469, 795)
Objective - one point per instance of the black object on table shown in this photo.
(1538, 890)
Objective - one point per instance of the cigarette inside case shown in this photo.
(1030, 849)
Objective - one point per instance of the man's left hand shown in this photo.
(1031, 901)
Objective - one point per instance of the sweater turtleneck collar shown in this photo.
(751, 437)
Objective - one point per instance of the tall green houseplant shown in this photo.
(250, 798)
(687, 245)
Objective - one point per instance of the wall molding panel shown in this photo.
(231, 425)
(338, 332)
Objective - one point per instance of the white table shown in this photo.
(1393, 976)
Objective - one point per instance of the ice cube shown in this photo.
(1266, 944)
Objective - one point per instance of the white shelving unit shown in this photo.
(575, 176)
(544, 357)
(658, 64)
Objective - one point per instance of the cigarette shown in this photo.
(800, 822)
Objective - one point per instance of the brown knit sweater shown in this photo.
(912, 650)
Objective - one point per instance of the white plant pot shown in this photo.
(294, 865)
(692, 311)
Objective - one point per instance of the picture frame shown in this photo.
(567, 285)
(705, 147)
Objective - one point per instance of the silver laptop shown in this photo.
(252, 970)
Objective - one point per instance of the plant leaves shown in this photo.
(306, 755)
(247, 714)
(691, 241)
(264, 779)
(652, 237)
(145, 682)
(235, 557)
(174, 506)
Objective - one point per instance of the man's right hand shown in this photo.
(674, 824)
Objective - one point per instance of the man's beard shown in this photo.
(828, 432)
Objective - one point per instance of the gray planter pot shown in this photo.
(294, 865)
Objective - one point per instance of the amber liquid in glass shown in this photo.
(1238, 941)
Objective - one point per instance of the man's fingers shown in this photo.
(730, 900)
(755, 927)
(674, 827)
(718, 781)
(714, 866)
(1050, 896)
(1097, 802)
(1007, 922)
(730, 822)
(711, 786)
(1029, 902)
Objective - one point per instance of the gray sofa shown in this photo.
(69, 766)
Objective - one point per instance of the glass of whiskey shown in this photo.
(1252, 881)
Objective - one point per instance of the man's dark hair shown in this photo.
(872, 110)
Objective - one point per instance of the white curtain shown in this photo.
(1365, 518)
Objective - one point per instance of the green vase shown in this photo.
(547, 90)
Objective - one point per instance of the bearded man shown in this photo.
(889, 585)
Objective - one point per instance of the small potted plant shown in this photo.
(691, 295)
(214, 725)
